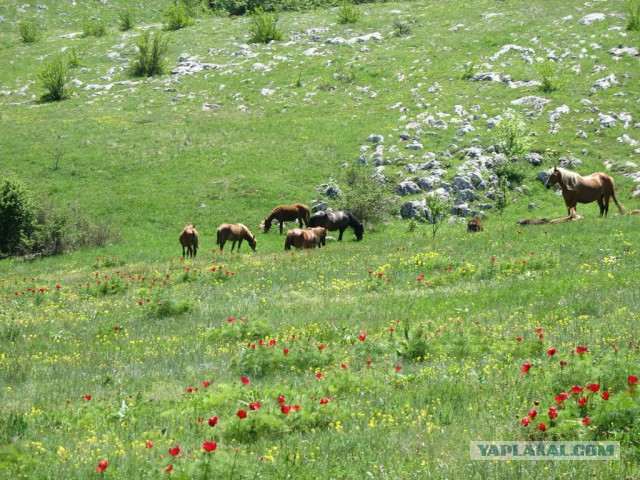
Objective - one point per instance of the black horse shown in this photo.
(337, 221)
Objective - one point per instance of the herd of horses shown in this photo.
(314, 233)
(597, 187)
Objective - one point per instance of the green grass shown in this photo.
(138, 329)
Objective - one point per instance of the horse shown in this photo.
(578, 189)
(189, 240)
(337, 221)
(287, 213)
(309, 238)
(235, 232)
(475, 225)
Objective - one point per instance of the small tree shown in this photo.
(264, 26)
(149, 60)
(17, 215)
(53, 77)
(29, 31)
(348, 13)
(439, 210)
(511, 134)
(363, 195)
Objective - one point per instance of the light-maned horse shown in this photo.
(288, 213)
(189, 240)
(337, 221)
(309, 238)
(234, 232)
(597, 187)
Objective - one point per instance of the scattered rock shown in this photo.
(591, 18)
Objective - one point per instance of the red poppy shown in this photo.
(539, 330)
(324, 401)
(213, 421)
(168, 468)
(272, 342)
(493, 258)
(206, 383)
(541, 336)
(518, 339)
(605, 395)
(526, 367)
(563, 363)
(362, 336)
(586, 421)
(576, 389)
(245, 380)
(561, 397)
(542, 427)
(241, 414)
(581, 350)
(116, 328)
(367, 361)
(149, 444)
(230, 319)
(532, 413)
(525, 421)
(321, 347)
(319, 375)
(582, 401)
(398, 368)
(296, 407)
(209, 446)
(343, 365)
(551, 352)
(200, 419)
(285, 351)
(102, 466)
(285, 409)
(173, 451)
(280, 399)
(593, 387)
(87, 397)
(254, 405)
(553, 413)
(633, 379)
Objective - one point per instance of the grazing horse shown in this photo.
(235, 232)
(475, 225)
(578, 189)
(337, 221)
(309, 238)
(189, 240)
(287, 213)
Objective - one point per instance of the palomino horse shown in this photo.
(287, 213)
(337, 221)
(597, 187)
(189, 241)
(235, 232)
(309, 238)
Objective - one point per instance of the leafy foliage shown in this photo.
(551, 78)
(348, 13)
(53, 77)
(512, 135)
(17, 215)
(177, 16)
(439, 210)
(633, 19)
(94, 27)
(264, 26)
(363, 195)
(151, 54)
(127, 18)
(29, 31)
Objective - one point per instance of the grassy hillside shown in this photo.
(390, 354)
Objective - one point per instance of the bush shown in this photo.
(439, 210)
(150, 58)
(53, 77)
(363, 195)
(633, 22)
(177, 17)
(240, 7)
(264, 26)
(348, 13)
(29, 31)
(92, 27)
(511, 134)
(17, 215)
(127, 18)
(551, 79)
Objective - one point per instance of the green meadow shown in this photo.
(378, 359)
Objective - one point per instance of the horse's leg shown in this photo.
(606, 205)
(183, 251)
(300, 221)
(239, 245)
(341, 232)
(233, 244)
(281, 225)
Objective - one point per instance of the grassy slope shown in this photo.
(148, 165)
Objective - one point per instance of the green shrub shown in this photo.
(401, 28)
(17, 215)
(29, 31)
(177, 17)
(348, 13)
(439, 210)
(511, 134)
(363, 195)
(551, 79)
(633, 21)
(53, 77)
(264, 26)
(92, 27)
(127, 19)
(150, 58)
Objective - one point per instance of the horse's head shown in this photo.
(266, 225)
(554, 176)
(359, 231)
(252, 242)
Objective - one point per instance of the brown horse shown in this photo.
(475, 225)
(235, 232)
(597, 187)
(309, 238)
(288, 213)
(189, 240)
(337, 221)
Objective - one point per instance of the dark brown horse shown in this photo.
(189, 241)
(234, 232)
(337, 221)
(475, 225)
(597, 187)
(288, 213)
(309, 238)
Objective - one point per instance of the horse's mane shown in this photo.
(569, 179)
(353, 221)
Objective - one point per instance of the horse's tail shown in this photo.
(218, 237)
(307, 214)
(618, 204)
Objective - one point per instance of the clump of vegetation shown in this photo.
(469, 71)
(53, 77)
(551, 79)
(348, 13)
(29, 31)
(633, 20)
(150, 58)
(363, 195)
(401, 28)
(17, 215)
(127, 19)
(264, 26)
(511, 134)
(94, 27)
(439, 210)
(178, 16)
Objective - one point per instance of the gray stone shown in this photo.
(534, 159)
(542, 177)
(462, 183)
(415, 210)
(486, 77)
(591, 18)
(414, 146)
(466, 196)
(606, 121)
(407, 187)
(375, 138)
